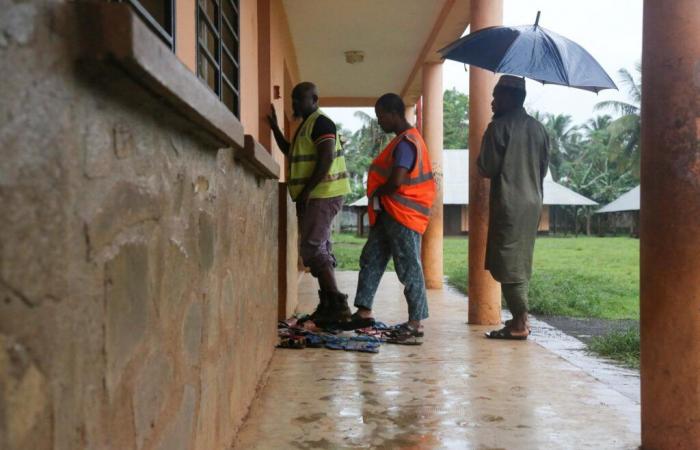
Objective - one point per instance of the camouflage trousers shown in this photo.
(387, 239)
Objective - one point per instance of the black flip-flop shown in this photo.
(504, 333)
(508, 322)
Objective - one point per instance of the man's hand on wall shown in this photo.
(272, 118)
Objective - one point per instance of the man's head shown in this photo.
(304, 99)
(508, 95)
(391, 112)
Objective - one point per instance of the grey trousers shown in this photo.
(315, 245)
(516, 297)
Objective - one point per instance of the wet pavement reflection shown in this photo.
(456, 391)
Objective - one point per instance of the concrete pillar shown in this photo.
(419, 115)
(411, 114)
(670, 226)
(484, 292)
(432, 133)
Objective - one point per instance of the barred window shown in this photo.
(160, 17)
(218, 49)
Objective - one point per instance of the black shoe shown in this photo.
(337, 310)
(320, 312)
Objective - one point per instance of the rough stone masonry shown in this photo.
(138, 260)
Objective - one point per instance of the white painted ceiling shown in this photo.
(391, 33)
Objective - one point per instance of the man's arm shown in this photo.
(396, 179)
(490, 159)
(282, 143)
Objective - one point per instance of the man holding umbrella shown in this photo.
(514, 156)
(515, 145)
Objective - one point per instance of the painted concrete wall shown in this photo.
(137, 259)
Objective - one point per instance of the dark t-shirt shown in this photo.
(324, 129)
(405, 155)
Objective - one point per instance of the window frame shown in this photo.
(157, 28)
(216, 61)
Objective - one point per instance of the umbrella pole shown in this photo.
(537, 19)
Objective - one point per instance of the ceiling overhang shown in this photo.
(396, 37)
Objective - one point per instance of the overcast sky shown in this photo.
(611, 30)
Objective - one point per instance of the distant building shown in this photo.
(456, 196)
(623, 212)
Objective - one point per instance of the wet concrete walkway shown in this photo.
(456, 391)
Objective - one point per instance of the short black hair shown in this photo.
(305, 87)
(518, 95)
(391, 103)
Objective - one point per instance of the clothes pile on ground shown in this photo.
(302, 332)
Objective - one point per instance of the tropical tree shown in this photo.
(360, 148)
(589, 170)
(563, 137)
(455, 107)
(626, 129)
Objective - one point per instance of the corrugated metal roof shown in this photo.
(629, 201)
(456, 184)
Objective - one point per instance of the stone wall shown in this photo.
(138, 260)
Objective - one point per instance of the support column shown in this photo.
(432, 133)
(484, 292)
(411, 114)
(670, 226)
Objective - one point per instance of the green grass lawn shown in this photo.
(578, 277)
(620, 345)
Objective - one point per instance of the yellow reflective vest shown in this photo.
(303, 161)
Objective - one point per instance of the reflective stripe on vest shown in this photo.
(314, 157)
(329, 177)
(410, 204)
(303, 162)
(420, 178)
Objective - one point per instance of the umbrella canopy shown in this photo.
(533, 52)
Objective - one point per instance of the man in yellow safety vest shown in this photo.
(317, 183)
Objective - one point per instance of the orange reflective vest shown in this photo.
(410, 204)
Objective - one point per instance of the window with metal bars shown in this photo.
(159, 15)
(218, 49)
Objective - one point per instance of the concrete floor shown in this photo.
(456, 391)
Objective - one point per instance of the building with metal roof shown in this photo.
(629, 201)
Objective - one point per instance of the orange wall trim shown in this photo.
(185, 38)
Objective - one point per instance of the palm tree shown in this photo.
(563, 138)
(360, 148)
(634, 90)
(596, 124)
(626, 130)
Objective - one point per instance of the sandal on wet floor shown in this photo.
(404, 334)
(293, 342)
(508, 323)
(504, 333)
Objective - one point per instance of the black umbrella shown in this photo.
(533, 52)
